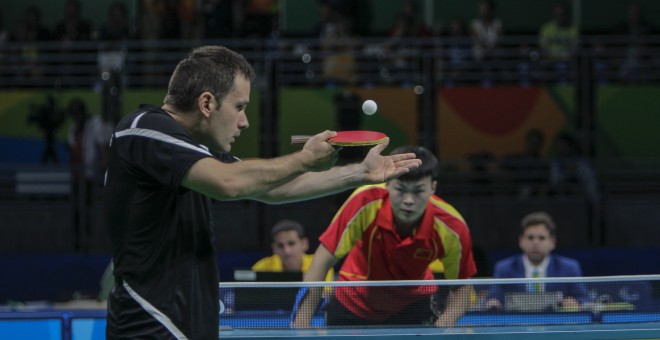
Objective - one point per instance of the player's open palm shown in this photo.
(319, 154)
(381, 168)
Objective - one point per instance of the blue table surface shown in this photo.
(606, 325)
(280, 319)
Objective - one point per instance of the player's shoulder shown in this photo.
(508, 260)
(444, 210)
(564, 260)
(268, 263)
(369, 192)
(504, 266)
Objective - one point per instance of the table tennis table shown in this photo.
(647, 330)
(607, 317)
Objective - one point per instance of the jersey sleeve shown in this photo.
(456, 241)
(352, 219)
(156, 148)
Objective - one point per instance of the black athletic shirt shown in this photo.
(162, 233)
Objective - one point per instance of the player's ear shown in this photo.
(305, 241)
(434, 185)
(206, 103)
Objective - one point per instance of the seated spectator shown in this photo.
(558, 40)
(485, 30)
(336, 44)
(634, 29)
(158, 20)
(571, 172)
(219, 19)
(73, 27)
(117, 25)
(407, 27)
(4, 32)
(260, 18)
(537, 241)
(28, 31)
(30, 28)
(290, 247)
(528, 168)
(87, 140)
(458, 51)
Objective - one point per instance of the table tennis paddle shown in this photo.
(347, 138)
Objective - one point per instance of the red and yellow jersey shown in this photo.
(363, 233)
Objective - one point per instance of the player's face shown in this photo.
(227, 120)
(536, 243)
(290, 248)
(409, 199)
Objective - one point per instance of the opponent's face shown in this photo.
(290, 247)
(409, 199)
(227, 119)
(537, 243)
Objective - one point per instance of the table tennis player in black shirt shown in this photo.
(165, 165)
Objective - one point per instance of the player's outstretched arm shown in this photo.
(457, 303)
(375, 168)
(317, 271)
(251, 178)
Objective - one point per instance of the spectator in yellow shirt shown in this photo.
(290, 247)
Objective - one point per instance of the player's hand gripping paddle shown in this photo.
(347, 138)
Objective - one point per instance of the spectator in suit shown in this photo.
(537, 241)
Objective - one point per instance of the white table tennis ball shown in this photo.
(369, 107)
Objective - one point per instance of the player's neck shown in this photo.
(174, 114)
(183, 119)
(405, 229)
(536, 262)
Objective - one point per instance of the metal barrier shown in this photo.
(445, 61)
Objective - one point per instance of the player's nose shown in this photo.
(408, 199)
(243, 122)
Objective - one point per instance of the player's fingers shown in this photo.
(380, 147)
(401, 168)
(396, 173)
(327, 134)
(402, 156)
(408, 163)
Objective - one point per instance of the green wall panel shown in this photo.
(628, 121)
(15, 108)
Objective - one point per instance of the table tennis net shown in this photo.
(488, 302)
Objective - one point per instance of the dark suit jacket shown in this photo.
(559, 266)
